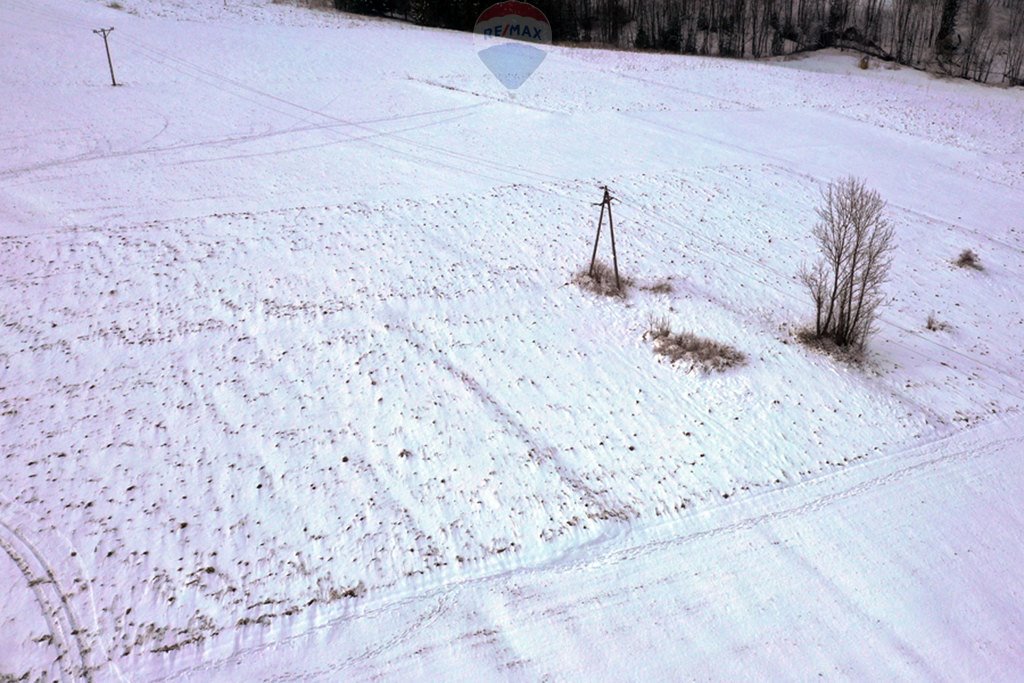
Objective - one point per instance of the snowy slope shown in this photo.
(289, 335)
(904, 569)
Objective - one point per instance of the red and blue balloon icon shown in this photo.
(507, 35)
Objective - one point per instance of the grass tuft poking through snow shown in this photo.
(852, 354)
(699, 352)
(601, 281)
(933, 324)
(968, 258)
(659, 287)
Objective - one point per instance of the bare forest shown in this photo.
(981, 40)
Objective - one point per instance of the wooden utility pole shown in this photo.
(606, 202)
(104, 32)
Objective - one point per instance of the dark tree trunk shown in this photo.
(944, 39)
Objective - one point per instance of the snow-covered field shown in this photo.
(294, 382)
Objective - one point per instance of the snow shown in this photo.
(873, 574)
(294, 381)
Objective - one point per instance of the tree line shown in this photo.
(982, 40)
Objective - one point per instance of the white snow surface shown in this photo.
(295, 383)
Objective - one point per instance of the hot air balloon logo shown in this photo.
(507, 35)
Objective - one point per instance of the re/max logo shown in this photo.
(513, 31)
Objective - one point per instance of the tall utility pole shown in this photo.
(606, 201)
(103, 32)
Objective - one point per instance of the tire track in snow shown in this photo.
(439, 605)
(540, 452)
(961, 445)
(424, 620)
(783, 165)
(817, 504)
(227, 141)
(65, 632)
(298, 111)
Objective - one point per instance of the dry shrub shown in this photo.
(658, 327)
(661, 287)
(936, 325)
(854, 355)
(698, 352)
(601, 281)
(969, 259)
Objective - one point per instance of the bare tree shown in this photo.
(871, 24)
(1013, 70)
(856, 243)
(944, 38)
(978, 50)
